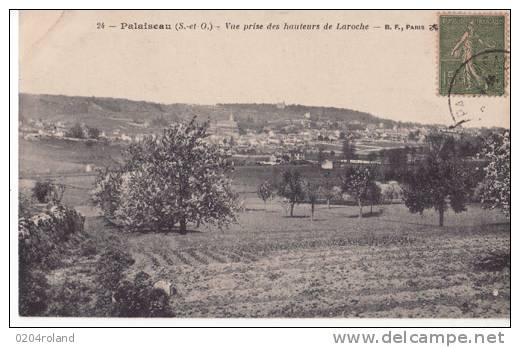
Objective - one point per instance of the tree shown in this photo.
(496, 186)
(329, 191)
(321, 155)
(42, 190)
(397, 161)
(76, 131)
(291, 188)
(312, 191)
(372, 195)
(93, 132)
(265, 192)
(174, 178)
(437, 182)
(349, 150)
(355, 182)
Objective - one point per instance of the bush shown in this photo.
(42, 191)
(46, 191)
(391, 191)
(93, 133)
(69, 299)
(88, 248)
(41, 237)
(140, 299)
(111, 267)
(26, 206)
(32, 292)
(76, 132)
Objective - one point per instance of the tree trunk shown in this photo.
(292, 209)
(312, 212)
(360, 209)
(371, 208)
(441, 217)
(328, 203)
(265, 205)
(183, 225)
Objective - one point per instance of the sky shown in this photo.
(391, 74)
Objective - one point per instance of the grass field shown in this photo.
(390, 265)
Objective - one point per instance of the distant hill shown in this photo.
(108, 112)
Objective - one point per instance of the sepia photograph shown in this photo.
(264, 164)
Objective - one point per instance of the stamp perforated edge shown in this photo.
(507, 57)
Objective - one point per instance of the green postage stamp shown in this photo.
(472, 54)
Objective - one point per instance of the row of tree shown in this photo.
(179, 178)
(442, 179)
(358, 182)
(81, 131)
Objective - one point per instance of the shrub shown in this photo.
(88, 248)
(69, 299)
(41, 236)
(111, 266)
(32, 292)
(42, 191)
(47, 191)
(140, 299)
(494, 261)
(391, 191)
(93, 133)
(41, 240)
(76, 131)
(26, 206)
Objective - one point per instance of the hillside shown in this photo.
(105, 111)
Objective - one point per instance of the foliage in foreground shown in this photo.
(42, 239)
(496, 187)
(119, 297)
